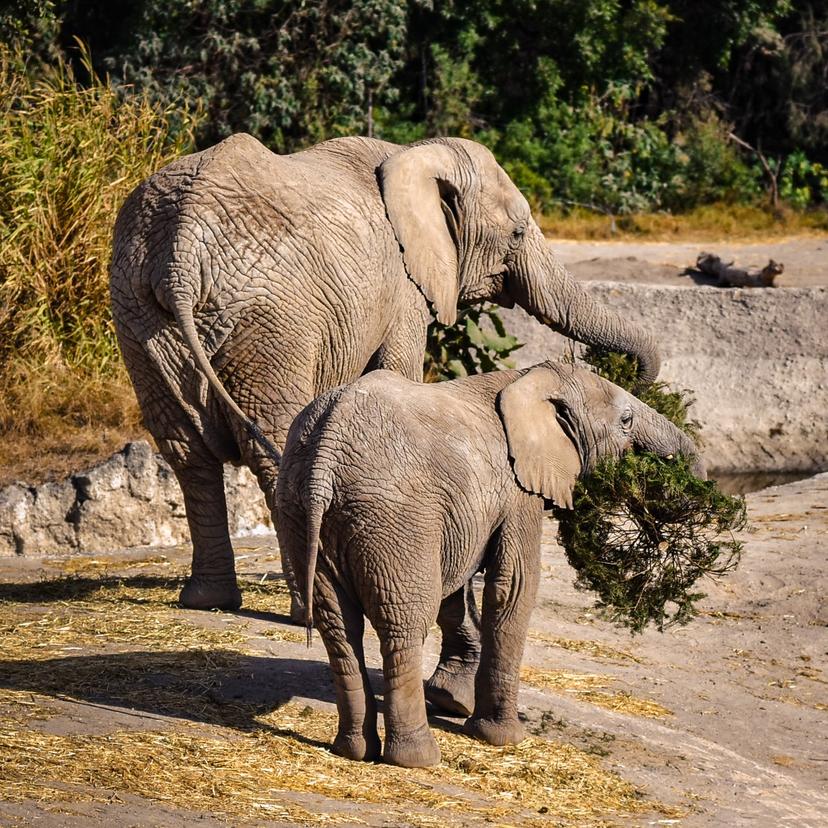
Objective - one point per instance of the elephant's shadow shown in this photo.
(219, 687)
(81, 588)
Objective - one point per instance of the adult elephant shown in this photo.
(246, 283)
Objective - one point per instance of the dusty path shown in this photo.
(663, 263)
(117, 708)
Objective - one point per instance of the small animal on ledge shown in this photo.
(728, 276)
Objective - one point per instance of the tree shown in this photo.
(289, 72)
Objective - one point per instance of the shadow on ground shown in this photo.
(219, 687)
(74, 588)
(82, 588)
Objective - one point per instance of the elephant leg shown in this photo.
(341, 625)
(403, 348)
(451, 686)
(408, 738)
(212, 584)
(401, 606)
(267, 476)
(511, 585)
(199, 470)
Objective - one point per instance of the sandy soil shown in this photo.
(665, 263)
(722, 722)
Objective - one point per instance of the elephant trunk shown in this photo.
(543, 287)
(654, 432)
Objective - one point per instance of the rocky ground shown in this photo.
(118, 708)
(665, 263)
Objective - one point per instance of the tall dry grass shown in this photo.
(69, 155)
(708, 223)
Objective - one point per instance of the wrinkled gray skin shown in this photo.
(396, 493)
(245, 283)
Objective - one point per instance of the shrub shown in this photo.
(476, 343)
(68, 158)
(643, 529)
(69, 155)
(590, 153)
(712, 168)
(803, 183)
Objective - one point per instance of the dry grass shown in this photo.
(713, 222)
(244, 775)
(589, 688)
(69, 155)
(107, 632)
(55, 421)
(593, 649)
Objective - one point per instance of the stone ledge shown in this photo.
(130, 499)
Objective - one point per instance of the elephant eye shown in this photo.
(518, 232)
(626, 418)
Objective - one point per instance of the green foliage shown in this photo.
(643, 529)
(456, 89)
(290, 73)
(621, 106)
(803, 182)
(710, 167)
(23, 21)
(475, 344)
(622, 369)
(592, 153)
(69, 155)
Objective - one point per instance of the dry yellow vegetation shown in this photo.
(107, 630)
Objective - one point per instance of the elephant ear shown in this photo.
(413, 182)
(544, 458)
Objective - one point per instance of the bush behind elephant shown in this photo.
(245, 283)
(395, 493)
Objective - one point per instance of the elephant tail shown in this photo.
(315, 513)
(183, 313)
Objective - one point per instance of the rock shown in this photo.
(130, 499)
(36, 520)
(15, 504)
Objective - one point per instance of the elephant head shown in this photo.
(467, 235)
(560, 420)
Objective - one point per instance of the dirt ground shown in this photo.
(665, 263)
(118, 708)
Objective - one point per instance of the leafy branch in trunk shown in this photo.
(644, 530)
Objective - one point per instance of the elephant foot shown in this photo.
(415, 750)
(452, 691)
(496, 732)
(297, 611)
(207, 594)
(359, 746)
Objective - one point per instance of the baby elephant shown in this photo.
(395, 493)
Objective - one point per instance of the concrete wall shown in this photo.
(756, 360)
